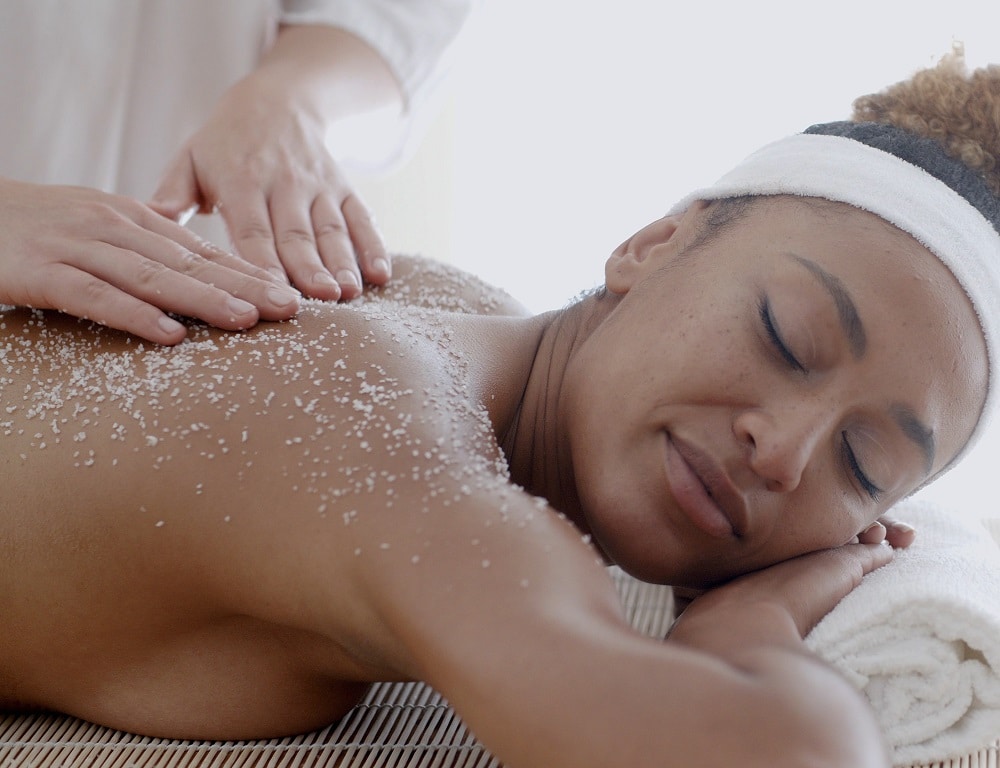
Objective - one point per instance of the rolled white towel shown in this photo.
(921, 638)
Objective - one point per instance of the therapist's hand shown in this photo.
(112, 260)
(261, 161)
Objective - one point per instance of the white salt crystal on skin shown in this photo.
(157, 403)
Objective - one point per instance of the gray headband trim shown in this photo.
(924, 153)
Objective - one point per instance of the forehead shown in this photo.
(920, 322)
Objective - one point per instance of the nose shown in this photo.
(780, 443)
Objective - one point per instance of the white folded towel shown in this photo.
(921, 638)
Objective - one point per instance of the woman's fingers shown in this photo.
(899, 534)
(780, 603)
(805, 587)
(810, 586)
(873, 534)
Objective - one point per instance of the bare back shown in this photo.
(160, 500)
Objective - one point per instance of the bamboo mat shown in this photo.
(401, 725)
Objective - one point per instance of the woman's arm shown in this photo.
(547, 674)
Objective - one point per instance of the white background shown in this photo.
(569, 125)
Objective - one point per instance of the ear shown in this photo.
(639, 255)
(630, 261)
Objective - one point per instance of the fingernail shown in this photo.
(324, 279)
(169, 325)
(905, 527)
(346, 277)
(281, 296)
(382, 265)
(239, 307)
(876, 526)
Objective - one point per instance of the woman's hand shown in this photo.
(778, 605)
(887, 528)
(113, 260)
(261, 160)
(897, 534)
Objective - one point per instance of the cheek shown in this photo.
(704, 347)
(820, 517)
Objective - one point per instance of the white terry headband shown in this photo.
(937, 200)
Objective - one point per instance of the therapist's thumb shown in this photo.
(179, 196)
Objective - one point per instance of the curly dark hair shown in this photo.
(959, 109)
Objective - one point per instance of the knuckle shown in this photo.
(106, 214)
(253, 230)
(287, 176)
(357, 209)
(331, 229)
(148, 272)
(294, 235)
(211, 252)
(190, 262)
(94, 294)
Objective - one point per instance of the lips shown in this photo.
(703, 491)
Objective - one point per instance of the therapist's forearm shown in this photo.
(327, 72)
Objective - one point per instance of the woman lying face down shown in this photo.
(232, 538)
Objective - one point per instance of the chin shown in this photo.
(676, 573)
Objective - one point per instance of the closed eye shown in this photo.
(859, 474)
(771, 328)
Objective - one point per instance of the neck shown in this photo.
(534, 441)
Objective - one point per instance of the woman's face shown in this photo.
(768, 393)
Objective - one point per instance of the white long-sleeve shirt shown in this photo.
(102, 93)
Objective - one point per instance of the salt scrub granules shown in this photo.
(108, 403)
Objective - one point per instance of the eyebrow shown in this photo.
(850, 320)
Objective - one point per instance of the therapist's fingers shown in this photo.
(372, 256)
(87, 294)
(79, 293)
(309, 241)
(296, 235)
(248, 221)
(200, 276)
(178, 195)
(333, 243)
(130, 291)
